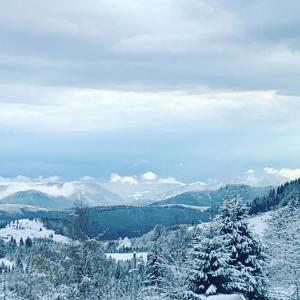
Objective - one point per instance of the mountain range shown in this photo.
(95, 195)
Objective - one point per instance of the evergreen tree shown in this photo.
(28, 242)
(247, 255)
(21, 242)
(283, 240)
(154, 271)
(211, 271)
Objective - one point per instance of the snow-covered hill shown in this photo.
(30, 228)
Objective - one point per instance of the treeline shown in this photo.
(124, 221)
(277, 197)
(48, 270)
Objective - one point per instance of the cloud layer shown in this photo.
(96, 87)
(191, 43)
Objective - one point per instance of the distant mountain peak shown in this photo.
(37, 199)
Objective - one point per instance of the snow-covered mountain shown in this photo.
(95, 193)
(37, 199)
(146, 192)
(52, 193)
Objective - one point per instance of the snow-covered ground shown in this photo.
(127, 256)
(259, 222)
(30, 228)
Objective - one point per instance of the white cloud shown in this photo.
(149, 176)
(269, 176)
(115, 178)
(51, 179)
(50, 185)
(67, 110)
(171, 180)
(284, 172)
(250, 171)
(209, 40)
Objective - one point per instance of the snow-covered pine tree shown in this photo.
(211, 272)
(154, 271)
(247, 254)
(283, 240)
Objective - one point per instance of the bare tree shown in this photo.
(80, 218)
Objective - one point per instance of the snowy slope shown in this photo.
(30, 228)
(259, 223)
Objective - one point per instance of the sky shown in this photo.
(188, 89)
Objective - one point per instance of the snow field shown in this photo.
(30, 228)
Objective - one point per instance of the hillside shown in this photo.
(214, 198)
(23, 228)
(37, 199)
(18, 210)
(126, 221)
(279, 197)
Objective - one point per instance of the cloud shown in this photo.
(92, 110)
(171, 180)
(149, 176)
(51, 186)
(191, 43)
(250, 171)
(284, 172)
(269, 176)
(115, 178)
(104, 70)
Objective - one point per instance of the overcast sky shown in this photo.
(192, 89)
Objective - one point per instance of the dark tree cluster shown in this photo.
(289, 191)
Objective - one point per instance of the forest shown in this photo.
(221, 257)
